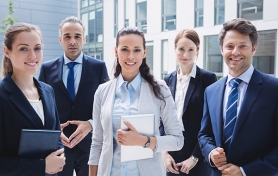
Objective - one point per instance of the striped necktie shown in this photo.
(231, 112)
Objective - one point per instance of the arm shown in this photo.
(93, 170)
(97, 139)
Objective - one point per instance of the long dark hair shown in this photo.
(144, 68)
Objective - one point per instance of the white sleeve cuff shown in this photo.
(211, 164)
(91, 122)
(242, 171)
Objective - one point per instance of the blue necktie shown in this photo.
(231, 112)
(70, 80)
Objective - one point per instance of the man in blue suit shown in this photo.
(74, 77)
(239, 130)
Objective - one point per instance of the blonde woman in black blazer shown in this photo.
(190, 100)
(25, 103)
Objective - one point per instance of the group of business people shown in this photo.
(228, 127)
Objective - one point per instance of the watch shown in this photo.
(147, 143)
(194, 158)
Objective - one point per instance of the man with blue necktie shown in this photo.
(74, 77)
(239, 130)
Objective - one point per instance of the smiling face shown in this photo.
(72, 39)
(186, 52)
(26, 53)
(237, 51)
(130, 53)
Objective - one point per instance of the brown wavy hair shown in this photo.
(144, 68)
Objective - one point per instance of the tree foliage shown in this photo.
(9, 20)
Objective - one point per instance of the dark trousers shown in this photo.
(76, 159)
(202, 168)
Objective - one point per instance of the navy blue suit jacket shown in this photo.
(192, 110)
(94, 72)
(16, 113)
(254, 145)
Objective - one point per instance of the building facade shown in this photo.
(161, 20)
(45, 14)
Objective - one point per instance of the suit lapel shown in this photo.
(47, 105)
(217, 108)
(20, 101)
(59, 75)
(253, 90)
(191, 87)
(84, 75)
(172, 83)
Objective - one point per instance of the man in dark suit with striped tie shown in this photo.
(239, 130)
(74, 77)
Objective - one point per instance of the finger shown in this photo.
(130, 127)
(63, 125)
(64, 138)
(223, 167)
(75, 141)
(59, 152)
(75, 122)
(171, 169)
(73, 135)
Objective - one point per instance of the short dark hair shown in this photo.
(241, 25)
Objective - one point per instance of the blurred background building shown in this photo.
(160, 20)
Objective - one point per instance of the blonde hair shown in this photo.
(9, 39)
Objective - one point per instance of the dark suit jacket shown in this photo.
(254, 145)
(94, 72)
(16, 113)
(192, 111)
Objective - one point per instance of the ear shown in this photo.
(254, 49)
(145, 53)
(116, 52)
(60, 39)
(6, 52)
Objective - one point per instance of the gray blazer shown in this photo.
(102, 141)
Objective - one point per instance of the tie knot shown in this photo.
(235, 82)
(71, 64)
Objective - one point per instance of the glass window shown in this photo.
(264, 58)
(168, 15)
(250, 9)
(99, 25)
(213, 60)
(84, 3)
(141, 15)
(219, 11)
(199, 13)
(149, 56)
(84, 19)
(92, 33)
(127, 12)
(164, 58)
(115, 17)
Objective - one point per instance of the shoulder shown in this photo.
(266, 79)
(44, 86)
(168, 76)
(93, 60)
(205, 72)
(107, 85)
(50, 63)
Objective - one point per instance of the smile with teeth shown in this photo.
(130, 63)
(30, 63)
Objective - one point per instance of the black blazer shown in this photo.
(94, 72)
(192, 110)
(16, 113)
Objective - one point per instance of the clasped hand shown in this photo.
(83, 128)
(130, 137)
(218, 157)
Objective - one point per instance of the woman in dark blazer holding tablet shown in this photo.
(187, 85)
(25, 103)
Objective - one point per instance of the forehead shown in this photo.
(185, 42)
(235, 37)
(29, 38)
(71, 28)
(131, 40)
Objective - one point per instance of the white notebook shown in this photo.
(144, 124)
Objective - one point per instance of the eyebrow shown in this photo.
(67, 34)
(28, 45)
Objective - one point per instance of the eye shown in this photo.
(181, 49)
(243, 46)
(124, 49)
(137, 50)
(191, 49)
(67, 37)
(229, 46)
(77, 37)
(23, 49)
(38, 49)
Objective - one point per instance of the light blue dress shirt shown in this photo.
(125, 103)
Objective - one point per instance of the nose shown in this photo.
(72, 42)
(31, 55)
(131, 55)
(235, 51)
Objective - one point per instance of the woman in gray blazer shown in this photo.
(133, 91)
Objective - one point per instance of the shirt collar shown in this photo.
(134, 83)
(192, 73)
(246, 76)
(79, 59)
